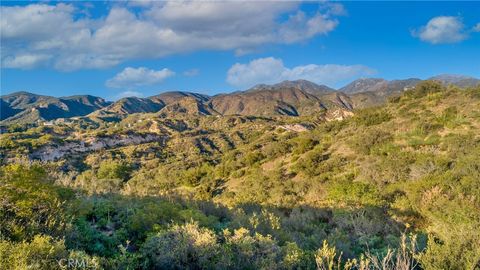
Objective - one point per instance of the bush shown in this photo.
(29, 204)
(296, 258)
(304, 144)
(353, 193)
(371, 117)
(277, 148)
(460, 252)
(196, 175)
(364, 143)
(310, 163)
(181, 247)
(425, 88)
(114, 170)
(450, 117)
(251, 252)
(253, 157)
(473, 92)
(43, 252)
(89, 182)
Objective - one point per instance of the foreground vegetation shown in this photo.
(393, 187)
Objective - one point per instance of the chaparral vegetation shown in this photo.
(391, 186)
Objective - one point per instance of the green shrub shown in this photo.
(114, 170)
(252, 158)
(181, 247)
(195, 175)
(310, 163)
(451, 118)
(365, 142)
(275, 149)
(425, 88)
(371, 117)
(43, 252)
(304, 144)
(353, 193)
(30, 205)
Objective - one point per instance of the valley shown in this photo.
(242, 135)
(285, 176)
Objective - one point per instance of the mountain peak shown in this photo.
(303, 85)
(458, 80)
(364, 85)
(25, 107)
(20, 93)
(451, 77)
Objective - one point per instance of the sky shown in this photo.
(130, 48)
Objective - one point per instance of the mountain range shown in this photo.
(290, 98)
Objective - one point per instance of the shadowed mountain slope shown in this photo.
(289, 98)
(25, 107)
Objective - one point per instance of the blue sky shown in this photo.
(142, 48)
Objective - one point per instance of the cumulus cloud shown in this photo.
(300, 27)
(73, 40)
(272, 70)
(135, 77)
(25, 61)
(442, 29)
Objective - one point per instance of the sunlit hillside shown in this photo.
(391, 186)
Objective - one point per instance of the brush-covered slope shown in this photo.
(379, 86)
(279, 192)
(364, 85)
(290, 101)
(288, 98)
(131, 105)
(175, 96)
(303, 85)
(188, 105)
(366, 93)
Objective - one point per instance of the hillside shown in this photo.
(129, 105)
(284, 101)
(303, 85)
(379, 86)
(241, 191)
(24, 107)
(291, 98)
(174, 96)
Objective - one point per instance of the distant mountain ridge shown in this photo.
(27, 107)
(304, 85)
(289, 98)
(378, 85)
(458, 80)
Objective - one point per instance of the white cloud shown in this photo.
(25, 61)
(335, 9)
(31, 35)
(141, 3)
(272, 70)
(73, 40)
(191, 72)
(442, 29)
(476, 28)
(300, 27)
(135, 77)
